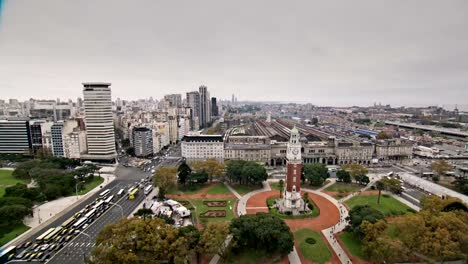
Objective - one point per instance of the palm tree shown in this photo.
(380, 185)
(281, 187)
(306, 199)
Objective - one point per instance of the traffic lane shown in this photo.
(73, 252)
(67, 215)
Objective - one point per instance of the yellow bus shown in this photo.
(69, 222)
(133, 193)
(53, 234)
(41, 237)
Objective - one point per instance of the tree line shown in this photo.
(151, 240)
(439, 232)
(51, 177)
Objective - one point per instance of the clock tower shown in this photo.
(292, 201)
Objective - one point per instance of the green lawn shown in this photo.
(251, 257)
(389, 206)
(219, 189)
(243, 189)
(6, 178)
(187, 189)
(275, 186)
(312, 187)
(318, 252)
(91, 185)
(315, 212)
(201, 208)
(13, 233)
(352, 243)
(344, 187)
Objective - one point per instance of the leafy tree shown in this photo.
(13, 214)
(435, 178)
(440, 167)
(198, 177)
(4, 201)
(305, 197)
(281, 187)
(138, 240)
(461, 185)
(144, 212)
(378, 246)
(130, 151)
(383, 135)
(360, 213)
(183, 172)
(356, 170)
(212, 239)
(343, 176)
(316, 173)
(165, 178)
(21, 190)
(257, 231)
(212, 167)
(364, 180)
(380, 185)
(245, 172)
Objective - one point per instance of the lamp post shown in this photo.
(76, 188)
(121, 208)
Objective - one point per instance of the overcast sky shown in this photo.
(322, 52)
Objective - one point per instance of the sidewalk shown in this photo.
(48, 212)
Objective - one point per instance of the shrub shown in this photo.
(311, 206)
(411, 210)
(310, 240)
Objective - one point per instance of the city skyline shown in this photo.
(358, 56)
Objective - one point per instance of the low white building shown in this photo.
(203, 147)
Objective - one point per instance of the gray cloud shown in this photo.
(327, 53)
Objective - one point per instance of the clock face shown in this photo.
(295, 151)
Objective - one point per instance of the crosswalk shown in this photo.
(81, 244)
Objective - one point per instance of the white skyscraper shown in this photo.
(99, 122)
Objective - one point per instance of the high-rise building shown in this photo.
(56, 133)
(175, 100)
(193, 101)
(99, 123)
(205, 108)
(142, 141)
(214, 107)
(15, 137)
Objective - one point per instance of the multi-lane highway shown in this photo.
(74, 250)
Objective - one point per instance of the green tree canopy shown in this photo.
(315, 173)
(138, 240)
(360, 213)
(165, 178)
(343, 176)
(258, 231)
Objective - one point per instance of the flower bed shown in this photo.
(215, 203)
(214, 213)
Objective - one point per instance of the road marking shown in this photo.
(88, 244)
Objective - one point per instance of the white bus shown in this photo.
(98, 205)
(80, 222)
(121, 192)
(148, 189)
(109, 199)
(90, 213)
(104, 193)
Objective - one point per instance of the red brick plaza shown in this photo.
(329, 215)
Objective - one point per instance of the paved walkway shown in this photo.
(241, 206)
(233, 191)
